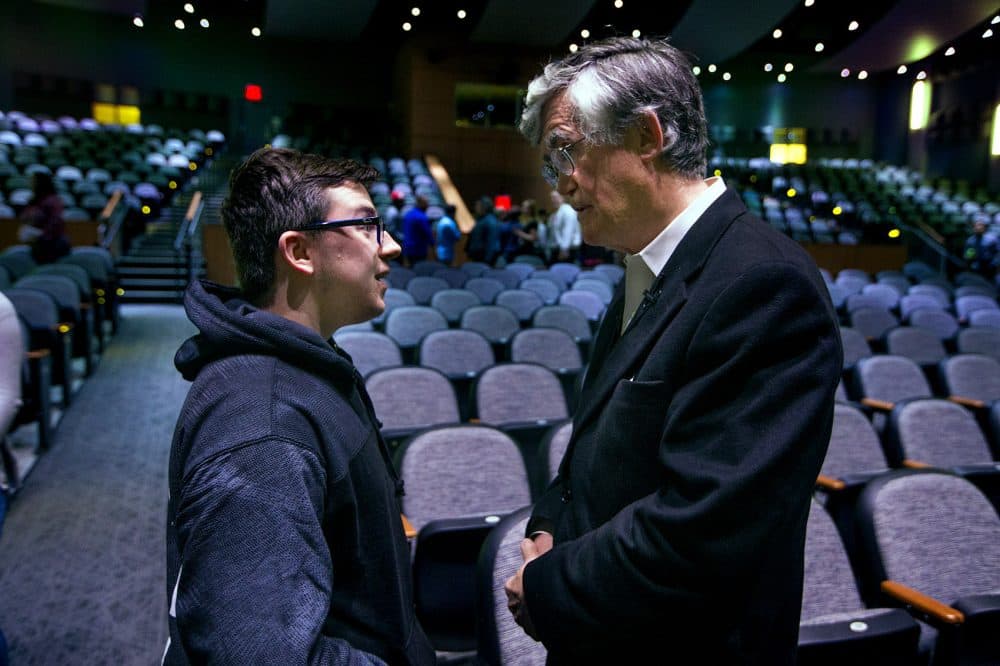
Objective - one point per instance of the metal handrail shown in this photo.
(183, 243)
(110, 222)
(929, 238)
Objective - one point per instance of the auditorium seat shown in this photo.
(496, 323)
(460, 355)
(370, 350)
(409, 399)
(485, 288)
(407, 324)
(556, 350)
(452, 303)
(522, 302)
(569, 319)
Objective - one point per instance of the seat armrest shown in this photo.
(967, 402)
(829, 483)
(915, 464)
(928, 607)
(880, 405)
(408, 529)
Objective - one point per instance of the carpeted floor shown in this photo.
(82, 556)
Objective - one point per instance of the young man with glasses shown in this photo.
(676, 524)
(284, 540)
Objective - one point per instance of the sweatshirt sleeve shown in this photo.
(255, 580)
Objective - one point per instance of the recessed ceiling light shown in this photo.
(619, 4)
(407, 26)
(921, 76)
(461, 13)
(726, 76)
(585, 33)
(768, 67)
(415, 11)
(901, 70)
(179, 24)
(573, 48)
(203, 23)
(862, 75)
(819, 47)
(810, 3)
(996, 19)
(988, 33)
(789, 66)
(844, 73)
(696, 70)
(950, 51)
(189, 8)
(852, 26)
(782, 78)
(712, 68)
(636, 33)
(137, 22)
(777, 33)
(255, 31)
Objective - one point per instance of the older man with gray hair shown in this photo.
(676, 524)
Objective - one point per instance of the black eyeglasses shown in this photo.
(559, 161)
(372, 224)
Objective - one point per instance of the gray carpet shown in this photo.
(82, 556)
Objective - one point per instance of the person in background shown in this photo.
(565, 229)
(510, 233)
(981, 251)
(675, 526)
(43, 218)
(447, 234)
(417, 234)
(483, 243)
(394, 214)
(528, 236)
(285, 542)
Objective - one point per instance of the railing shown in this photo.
(929, 247)
(110, 222)
(184, 243)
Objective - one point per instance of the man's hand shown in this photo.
(514, 587)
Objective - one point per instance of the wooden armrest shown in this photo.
(408, 527)
(922, 602)
(881, 405)
(474, 420)
(830, 483)
(915, 464)
(967, 402)
(37, 353)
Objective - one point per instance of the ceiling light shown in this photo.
(862, 75)
(789, 66)
(461, 13)
(696, 70)
(852, 26)
(901, 70)
(137, 21)
(988, 33)
(844, 73)
(179, 24)
(768, 67)
(810, 3)
(996, 19)
(573, 48)
(203, 23)
(819, 47)
(726, 76)
(636, 33)
(777, 33)
(415, 11)
(712, 68)
(782, 78)
(619, 4)
(585, 33)
(255, 31)
(407, 26)
(189, 8)
(921, 76)
(950, 51)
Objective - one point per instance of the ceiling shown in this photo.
(724, 33)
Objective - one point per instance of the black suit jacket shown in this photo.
(680, 508)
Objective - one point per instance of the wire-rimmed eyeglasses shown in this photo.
(559, 161)
(373, 224)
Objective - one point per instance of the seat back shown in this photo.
(872, 322)
(500, 641)
(590, 304)
(494, 322)
(939, 322)
(828, 584)
(370, 350)
(546, 289)
(521, 302)
(407, 399)
(11, 362)
(552, 347)
(891, 378)
(936, 432)
(918, 344)
(972, 376)
(566, 318)
(854, 445)
(423, 288)
(855, 346)
(553, 448)
(510, 393)
(407, 324)
(456, 352)
(453, 302)
(979, 340)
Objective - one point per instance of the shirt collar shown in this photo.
(659, 250)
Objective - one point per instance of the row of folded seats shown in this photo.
(58, 319)
(907, 494)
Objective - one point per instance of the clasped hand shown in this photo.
(531, 549)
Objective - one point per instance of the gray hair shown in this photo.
(611, 83)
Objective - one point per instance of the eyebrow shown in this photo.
(557, 139)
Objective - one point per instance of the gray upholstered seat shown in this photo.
(937, 292)
(599, 287)
(508, 278)
(455, 277)
(912, 302)
(872, 322)
(569, 319)
(370, 350)
(565, 271)
(941, 323)
(983, 340)
(500, 641)
(409, 399)
(423, 288)
(613, 270)
(546, 289)
(966, 304)
(855, 449)
(590, 304)
(496, 323)
(521, 269)
(855, 346)
(407, 324)
(973, 376)
(521, 302)
(485, 288)
(916, 343)
(936, 533)
(985, 317)
(553, 448)
(863, 300)
(552, 347)
(453, 302)
(459, 354)
(400, 276)
(939, 433)
(475, 268)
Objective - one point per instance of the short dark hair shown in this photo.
(273, 191)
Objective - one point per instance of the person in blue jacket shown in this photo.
(285, 543)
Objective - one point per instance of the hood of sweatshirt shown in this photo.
(228, 326)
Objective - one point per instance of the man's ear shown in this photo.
(649, 136)
(296, 251)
